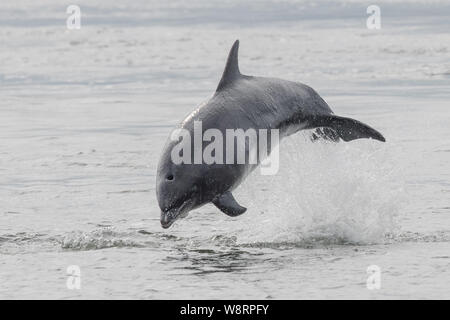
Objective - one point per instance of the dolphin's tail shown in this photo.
(345, 128)
(325, 133)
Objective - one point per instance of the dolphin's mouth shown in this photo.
(170, 216)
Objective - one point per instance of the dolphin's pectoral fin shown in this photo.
(228, 205)
(346, 128)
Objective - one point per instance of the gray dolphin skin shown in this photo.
(243, 102)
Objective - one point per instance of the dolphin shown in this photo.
(243, 102)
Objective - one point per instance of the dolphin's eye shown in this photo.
(170, 177)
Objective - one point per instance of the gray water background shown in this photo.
(84, 115)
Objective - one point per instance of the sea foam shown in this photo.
(325, 192)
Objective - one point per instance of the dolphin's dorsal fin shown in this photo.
(231, 71)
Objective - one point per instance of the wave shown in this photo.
(98, 239)
(107, 238)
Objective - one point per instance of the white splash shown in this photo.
(326, 193)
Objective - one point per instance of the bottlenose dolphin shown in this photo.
(243, 102)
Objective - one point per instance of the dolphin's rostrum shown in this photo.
(243, 102)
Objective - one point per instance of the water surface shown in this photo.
(84, 115)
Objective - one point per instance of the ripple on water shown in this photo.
(216, 247)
